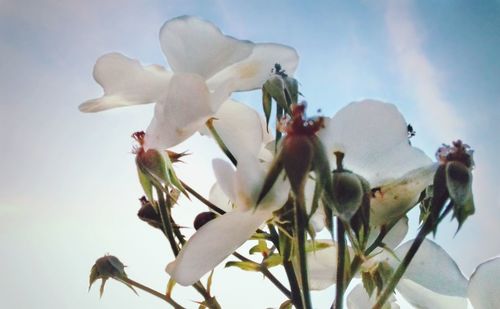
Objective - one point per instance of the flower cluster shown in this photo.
(356, 172)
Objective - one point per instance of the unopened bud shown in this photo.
(148, 213)
(203, 218)
(107, 267)
(347, 193)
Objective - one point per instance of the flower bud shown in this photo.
(148, 213)
(107, 267)
(348, 193)
(203, 218)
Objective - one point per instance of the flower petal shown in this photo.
(126, 82)
(421, 297)
(217, 197)
(394, 237)
(252, 72)
(432, 278)
(318, 217)
(226, 177)
(374, 137)
(239, 126)
(322, 266)
(184, 109)
(250, 176)
(391, 200)
(359, 299)
(484, 289)
(213, 242)
(197, 46)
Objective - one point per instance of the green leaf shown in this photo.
(260, 247)
(244, 265)
(273, 260)
(368, 282)
(316, 245)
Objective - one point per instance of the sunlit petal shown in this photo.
(432, 278)
(374, 137)
(252, 72)
(359, 299)
(226, 178)
(394, 237)
(217, 197)
(213, 242)
(322, 266)
(126, 82)
(180, 113)
(391, 200)
(484, 285)
(197, 46)
(239, 126)
(421, 297)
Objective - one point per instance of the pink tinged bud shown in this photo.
(203, 218)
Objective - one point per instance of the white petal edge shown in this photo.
(433, 269)
(225, 175)
(125, 82)
(239, 126)
(374, 137)
(484, 285)
(184, 109)
(322, 266)
(252, 72)
(217, 197)
(213, 242)
(421, 297)
(358, 298)
(194, 45)
(394, 237)
(392, 200)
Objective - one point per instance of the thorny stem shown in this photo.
(219, 141)
(149, 290)
(300, 222)
(339, 295)
(165, 219)
(200, 197)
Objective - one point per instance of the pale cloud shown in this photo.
(422, 78)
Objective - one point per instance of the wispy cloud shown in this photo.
(421, 77)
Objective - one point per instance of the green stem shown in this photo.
(202, 199)
(220, 142)
(339, 295)
(300, 230)
(165, 220)
(152, 292)
(396, 276)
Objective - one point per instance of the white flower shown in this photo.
(484, 285)
(217, 239)
(374, 137)
(432, 280)
(207, 66)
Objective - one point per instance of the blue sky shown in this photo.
(68, 189)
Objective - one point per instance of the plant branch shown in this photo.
(152, 292)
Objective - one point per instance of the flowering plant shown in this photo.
(355, 175)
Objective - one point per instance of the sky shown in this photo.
(68, 187)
